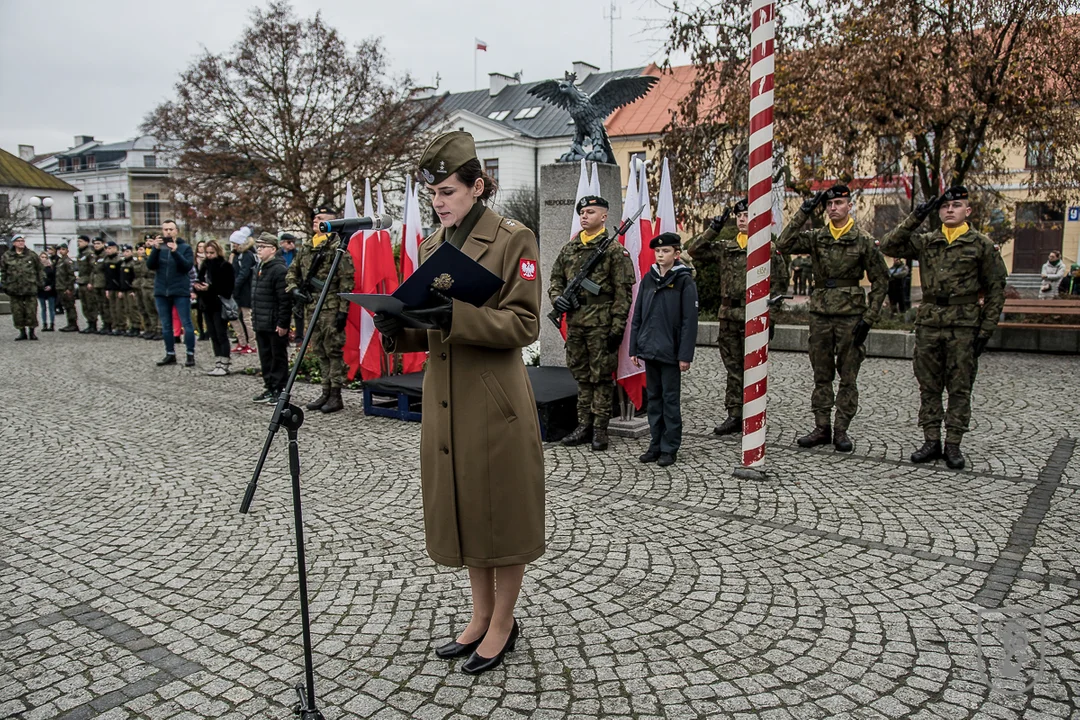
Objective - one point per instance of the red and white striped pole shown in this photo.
(756, 347)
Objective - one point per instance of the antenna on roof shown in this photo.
(611, 17)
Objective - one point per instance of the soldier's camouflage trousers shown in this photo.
(88, 298)
(832, 353)
(730, 339)
(592, 365)
(149, 310)
(117, 310)
(102, 305)
(945, 360)
(134, 312)
(327, 344)
(24, 311)
(67, 299)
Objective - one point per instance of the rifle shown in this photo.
(307, 284)
(581, 279)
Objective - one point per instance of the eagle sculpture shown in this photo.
(590, 111)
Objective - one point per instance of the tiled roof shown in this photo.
(651, 114)
(16, 172)
(549, 122)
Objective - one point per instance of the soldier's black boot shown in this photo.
(953, 457)
(729, 427)
(22, 334)
(820, 435)
(91, 327)
(33, 335)
(318, 402)
(581, 435)
(190, 362)
(105, 330)
(842, 441)
(70, 327)
(930, 451)
(334, 402)
(599, 439)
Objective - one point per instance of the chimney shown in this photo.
(584, 70)
(83, 139)
(422, 92)
(26, 152)
(499, 81)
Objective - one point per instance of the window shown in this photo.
(491, 167)
(151, 209)
(1040, 153)
(637, 156)
(91, 162)
(149, 160)
(76, 200)
(527, 113)
(5, 206)
(499, 115)
(812, 160)
(889, 150)
(105, 206)
(121, 206)
(89, 207)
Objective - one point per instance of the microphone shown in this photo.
(347, 226)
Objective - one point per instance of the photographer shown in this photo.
(171, 259)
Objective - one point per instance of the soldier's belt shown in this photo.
(597, 299)
(731, 302)
(946, 300)
(840, 283)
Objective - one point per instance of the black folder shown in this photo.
(448, 270)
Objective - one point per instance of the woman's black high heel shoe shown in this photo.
(477, 664)
(455, 649)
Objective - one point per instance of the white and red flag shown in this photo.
(645, 255)
(630, 377)
(412, 234)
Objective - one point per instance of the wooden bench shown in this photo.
(1069, 308)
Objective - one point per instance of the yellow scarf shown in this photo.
(586, 238)
(953, 233)
(838, 232)
(742, 239)
(318, 240)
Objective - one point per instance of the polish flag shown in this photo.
(351, 352)
(582, 191)
(630, 377)
(645, 256)
(594, 181)
(665, 206)
(412, 234)
(480, 44)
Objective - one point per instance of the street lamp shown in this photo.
(42, 204)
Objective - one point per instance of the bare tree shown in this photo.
(524, 206)
(17, 216)
(278, 125)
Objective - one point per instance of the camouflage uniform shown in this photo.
(97, 279)
(85, 265)
(803, 274)
(128, 295)
(599, 318)
(836, 305)
(115, 295)
(723, 249)
(950, 318)
(65, 288)
(22, 275)
(326, 340)
(144, 301)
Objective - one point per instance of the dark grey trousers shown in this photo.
(663, 382)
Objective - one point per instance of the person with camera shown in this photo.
(271, 311)
(171, 260)
(305, 280)
(214, 283)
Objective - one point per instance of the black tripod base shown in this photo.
(301, 710)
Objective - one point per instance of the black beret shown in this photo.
(668, 239)
(84, 237)
(99, 239)
(837, 191)
(956, 192)
(286, 236)
(591, 201)
(126, 247)
(741, 207)
(325, 209)
(111, 243)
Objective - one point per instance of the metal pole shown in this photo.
(44, 236)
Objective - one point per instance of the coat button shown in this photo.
(444, 403)
(442, 356)
(446, 451)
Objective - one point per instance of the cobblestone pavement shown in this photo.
(842, 586)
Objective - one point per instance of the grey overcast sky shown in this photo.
(75, 68)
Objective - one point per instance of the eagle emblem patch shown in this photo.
(442, 282)
(528, 269)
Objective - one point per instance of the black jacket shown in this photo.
(50, 282)
(218, 274)
(127, 275)
(1069, 285)
(664, 326)
(243, 264)
(271, 305)
(114, 272)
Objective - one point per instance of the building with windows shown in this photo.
(19, 181)
(121, 185)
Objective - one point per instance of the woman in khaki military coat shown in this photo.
(481, 461)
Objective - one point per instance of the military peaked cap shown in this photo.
(956, 192)
(591, 201)
(837, 191)
(668, 239)
(445, 154)
(267, 239)
(741, 207)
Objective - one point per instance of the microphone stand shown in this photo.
(292, 417)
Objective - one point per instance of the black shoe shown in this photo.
(953, 457)
(190, 362)
(167, 360)
(22, 335)
(266, 394)
(455, 649)
(649, 456)
(666, 459)
(599, 439)
(930, 451)
(69, 328)
(133, 333)
(46, 328)
(581, 435)
(274, 397)
(33, 335)
(91, 328)
(477, 664)
(821, 435)
(317, 403)
(842, 441)
(105, 330)
(334, 403)
(203, 337)
(729, 427)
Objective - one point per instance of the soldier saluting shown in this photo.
(841, 315)
(595, 321)
(956, 265)
(726, 247)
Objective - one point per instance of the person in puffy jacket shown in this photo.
(243, 264)
(271, 311)
(214, 283)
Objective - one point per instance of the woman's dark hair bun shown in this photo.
(470, 171)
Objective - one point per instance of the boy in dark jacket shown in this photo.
(271, 311)
(663, 332)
